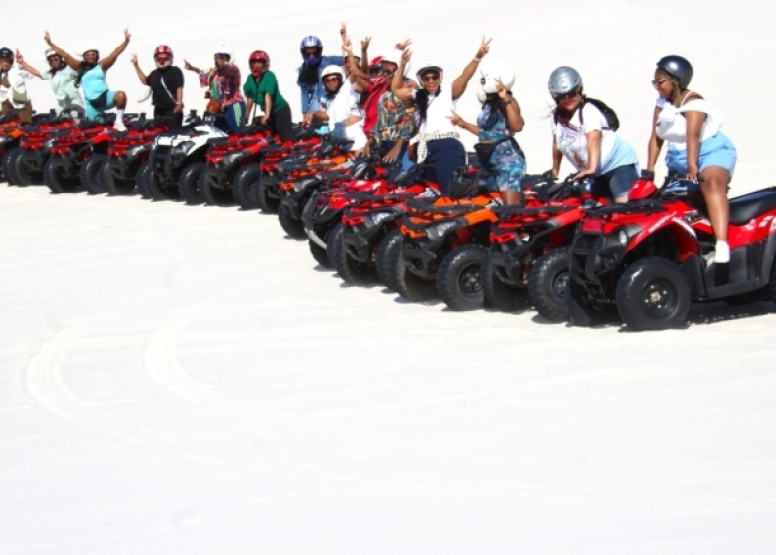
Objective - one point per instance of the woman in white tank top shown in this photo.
(437, 140)
(696, 146)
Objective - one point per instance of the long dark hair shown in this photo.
(421, 102)
(83, 67)
(494, 101)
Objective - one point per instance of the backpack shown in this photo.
(612, 121)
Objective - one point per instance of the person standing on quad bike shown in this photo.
(224, 81)
(388, 122)
(584, 134)
(13, 89)
(339, 108)
(309, 76)
(61, 76)
(438, 142)
(697, 149)
(496, 126)
(166, 86)
(261, 88)
(91, 78)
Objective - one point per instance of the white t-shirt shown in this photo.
(440, 108)
(16, 95)
(571, 139)
(339, 109)
(672, 125)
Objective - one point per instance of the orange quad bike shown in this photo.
(445, 241)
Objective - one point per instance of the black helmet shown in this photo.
(678, 67)
(6, 53)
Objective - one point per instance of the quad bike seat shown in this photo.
(746, 207)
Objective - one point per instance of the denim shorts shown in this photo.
(716, 151)
(615, 183)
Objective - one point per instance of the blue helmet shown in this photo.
(311, 42)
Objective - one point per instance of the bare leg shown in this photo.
(622, 199)
(120, 100)
(714, 189)
(512, 197)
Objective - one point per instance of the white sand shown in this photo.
(184, 380)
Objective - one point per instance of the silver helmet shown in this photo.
(564, 79)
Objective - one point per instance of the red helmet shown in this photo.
(258, 56)
(163, 56)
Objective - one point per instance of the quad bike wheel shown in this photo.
(267, 195)
(114, 186)
(458, 277)
(90, 171)
(349, 269)
(141, 179)
(497, 293)
(56, 182)
(653, 294)
(9, 165)
(157, 192)
(408, 285)
(547, 284)
(294, 228)
(212, 195)
(188, 183)
(22, 175)
(245, 187)
(383, 259)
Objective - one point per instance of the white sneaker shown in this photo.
(119, 126)
(722, 252)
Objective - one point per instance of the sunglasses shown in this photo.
(257, 62)
(657, 82)
(430, 77)
(331, 78)
(224, 57)
(565, 96)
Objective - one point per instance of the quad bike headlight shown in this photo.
(301, 184)
(375, 218)
(136, 150)
(623, 235)
(234, 157)
(437, 231)
(4, 140)
(183, 147)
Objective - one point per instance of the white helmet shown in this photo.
(51, 52)
(85, 50)
(496, 70)
(333, 70)
(482, 96)
(223, 49)
(429, 66)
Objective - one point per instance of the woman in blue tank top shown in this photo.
(91, 78)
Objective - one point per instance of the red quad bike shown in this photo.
(128, 156)
(223, 161)
(81, 154)
(445, 240)
(652, 256)
(322, 214)
(258, 185)
(24, 162)
(370, 231)
(330, 161)
(528, 259)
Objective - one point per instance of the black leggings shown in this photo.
(280, 123)
(168, 114)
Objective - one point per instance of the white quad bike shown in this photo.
(177, 160)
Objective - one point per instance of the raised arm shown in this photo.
(25, 66)
(459, 85)
(655, 142)
(110, 59)
(74, 63)
(458, 121)
(510, 108)
(140, 75)
(365, 56)
(398, 87)
(356, 75)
